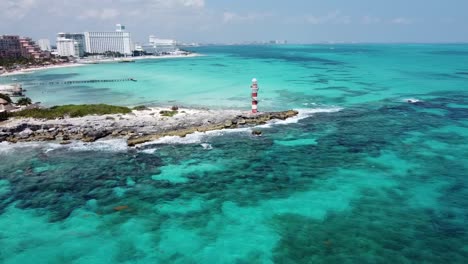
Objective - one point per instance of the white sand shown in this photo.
(31, 70)
(85, 62)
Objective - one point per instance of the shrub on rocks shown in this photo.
(140, 108)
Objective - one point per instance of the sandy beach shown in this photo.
(32, 70)
(86, 62)
(149, 57)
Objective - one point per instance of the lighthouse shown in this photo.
(254, 87)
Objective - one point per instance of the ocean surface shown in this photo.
(361, 176)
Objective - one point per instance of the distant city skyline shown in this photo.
(212, 21)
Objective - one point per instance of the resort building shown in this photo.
(10, 47)
(44, 44)
(117, 41)
(69, 48)
(160, 46)
(17, 47)
(30, 50)
(71, 44)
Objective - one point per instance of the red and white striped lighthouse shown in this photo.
(254, 87)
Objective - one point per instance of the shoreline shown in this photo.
(91, 62)
(42, 68)
(147, 57)
(137, 127)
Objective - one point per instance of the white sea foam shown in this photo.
(411, 100)
(149, 151)
(206, 146)
(303, 113)
(111, 145)
(195, 138)
(108, 145)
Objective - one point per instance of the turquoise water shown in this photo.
(363, 177)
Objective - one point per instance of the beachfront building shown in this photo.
(117, 41)
(71, 44)
(10, 47)
(30, 50)
(44, 44)
(20, 47)
(160, 46)
(69, 48)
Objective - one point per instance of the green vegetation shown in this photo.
(24, 101)
(169, 113)
(140, 108)
(113, 54)
(72, 111)
(6, 98)
(11, 63)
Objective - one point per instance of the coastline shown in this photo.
(148, 57)
(137, 127)
(84, 63)
(42, 68)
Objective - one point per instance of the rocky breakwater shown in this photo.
(136, 127)
(236, 122)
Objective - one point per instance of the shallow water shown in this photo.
(373, 179)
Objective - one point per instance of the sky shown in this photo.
(236, 21)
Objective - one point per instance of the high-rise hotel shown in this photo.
(118, 41)
(71, 44)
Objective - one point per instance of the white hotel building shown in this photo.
(118, 41)
(68, 47)
(160, 46)
(70, 44)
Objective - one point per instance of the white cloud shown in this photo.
(16, 9)
(334, 17)
(230, 17)
(194, 3)
(369, 20)
(172, 3)
(103, 14)
(401, 21)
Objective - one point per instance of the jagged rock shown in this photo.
(25, 133)
(228, 124)
(95, 135)
(256, 132)
(136, 131)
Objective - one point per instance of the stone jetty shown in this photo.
(136, 127)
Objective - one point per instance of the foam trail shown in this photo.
(109, 145)
(195, 138)
(206, 146)
(303, 113)
(412, 100)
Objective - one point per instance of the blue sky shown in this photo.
(298, 21)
